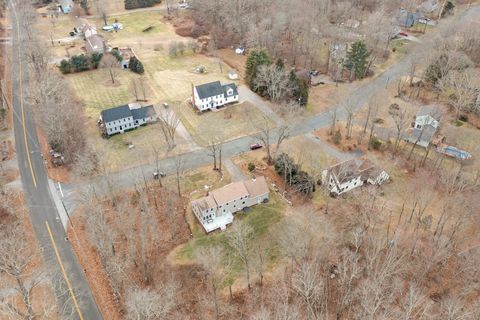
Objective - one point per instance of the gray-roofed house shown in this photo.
(407, 18)
(65, 6)
(214, 95)
(349, 175)
(126, 117)
(95, 43)
(426, 124)
(215, 211)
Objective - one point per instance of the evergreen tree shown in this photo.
(132, 64)
(65, 66)
(95, 59)
(300, 89)
(256, 58)
(357, 59)
(139, 68)
(80, 63)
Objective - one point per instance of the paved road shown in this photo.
(73, 291)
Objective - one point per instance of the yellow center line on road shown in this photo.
(70, 289)
(21, 106)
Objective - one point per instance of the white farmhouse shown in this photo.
(348, 175)
(126, 117)
(215, 211)
(214, 95)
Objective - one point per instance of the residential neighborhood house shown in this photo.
(126, 117)
(426, 124)
(215, 211)
(407, 18)
(65, 6)
(95, 43)
(214, 95)
(348, 175)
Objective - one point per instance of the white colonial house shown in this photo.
(126, 117)
(348, 175)
(426, 125)
(215, 211)
(214, 95)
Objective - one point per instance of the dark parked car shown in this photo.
(255, 146)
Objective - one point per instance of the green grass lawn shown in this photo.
(95, 89)
(260, 217)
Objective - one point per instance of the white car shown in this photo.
(107, 28)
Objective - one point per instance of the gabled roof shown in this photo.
(116, 113)
(205, 203)
(256, 187)
(425, 134)
(230, 86)
(229, 192)
(208, 90)
(345, 171)
(94, 43)
(430, 110)
(124, 111)
(142, 113)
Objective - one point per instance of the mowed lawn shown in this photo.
(228, 123)
(95, 89)
(116, 154)
(135, 25)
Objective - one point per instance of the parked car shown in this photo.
(404, 34)
(255, 146)
(314, 73)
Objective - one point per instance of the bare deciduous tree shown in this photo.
(275, 80)
(211, 259)
(110, 63)
(169, 123)
(151, 304)
(240, 239)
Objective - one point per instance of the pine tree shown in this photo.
(256, 58)
(65, 66)
(357, 59)
(132, 64)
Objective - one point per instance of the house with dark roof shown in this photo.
(426, 124)
(125, 118)
(215, 211)
(214, 95)
(348, 175)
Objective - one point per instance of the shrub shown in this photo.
(65, 66)
(375, 143)
(251, 166)
(136, 65)
(193, 45)
(463, 118)
(337, 137)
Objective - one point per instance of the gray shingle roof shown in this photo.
(208, 90)
(432, 111)
(142, 113)
(116, 113)
(228, 86)
(425, 134)
(94, 43)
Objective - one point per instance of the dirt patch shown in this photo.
(183, 26)
(236, 61)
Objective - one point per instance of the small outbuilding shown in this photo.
(232, 75)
